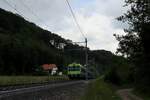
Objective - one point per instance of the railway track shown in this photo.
(19, 91)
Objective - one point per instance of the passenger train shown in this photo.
(78, 71)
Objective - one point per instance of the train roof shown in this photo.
(75, 64)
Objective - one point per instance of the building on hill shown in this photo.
(51, 68)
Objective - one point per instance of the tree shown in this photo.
(135, 44)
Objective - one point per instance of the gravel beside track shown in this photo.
(71, 90)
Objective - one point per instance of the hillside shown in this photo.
(25, 46)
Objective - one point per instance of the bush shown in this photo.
(39, 71)
(112, 76)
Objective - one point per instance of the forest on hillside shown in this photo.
(25, 46)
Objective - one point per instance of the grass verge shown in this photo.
(22, 80)
(99, 90)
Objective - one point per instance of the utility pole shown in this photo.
(86, 58)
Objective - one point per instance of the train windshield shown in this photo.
(74, 68)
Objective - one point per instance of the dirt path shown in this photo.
(126, 94)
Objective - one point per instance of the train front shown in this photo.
(74, 71)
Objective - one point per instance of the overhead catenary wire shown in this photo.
(86, 50)
(75, 19)
(10, 5)
(33, 13)
(18, 12)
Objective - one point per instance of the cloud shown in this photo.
(98, 26)
(110, 7)
(96, 18)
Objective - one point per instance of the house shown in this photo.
(51, 68)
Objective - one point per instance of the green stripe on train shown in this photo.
(74, 72)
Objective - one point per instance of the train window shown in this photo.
(77, 68)
(74, 68)
(70, 68)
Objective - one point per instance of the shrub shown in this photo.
(112, 76)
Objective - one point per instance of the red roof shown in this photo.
(48, 66)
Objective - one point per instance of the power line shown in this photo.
(33, 13)
(86, 50)
(75, 19)
(14, 8)
(9, 4)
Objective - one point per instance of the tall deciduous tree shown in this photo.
(135, 44)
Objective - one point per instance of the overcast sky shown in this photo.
(96, 18)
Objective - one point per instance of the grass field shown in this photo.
(22, 80)
(99, 90)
